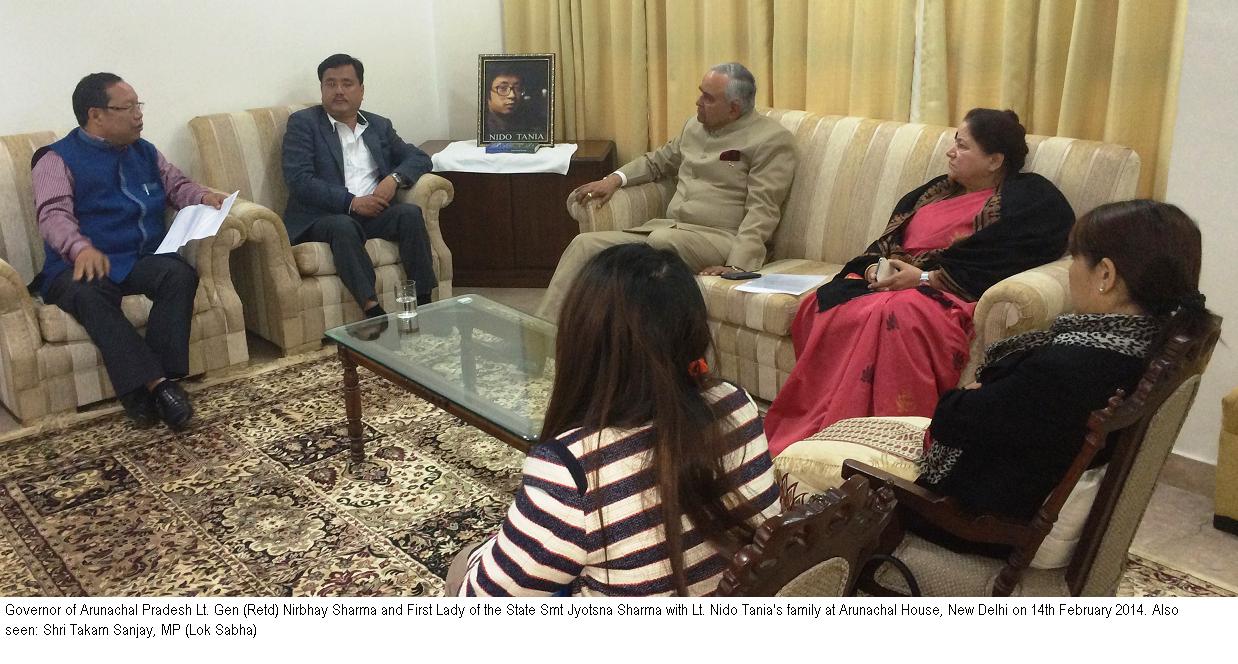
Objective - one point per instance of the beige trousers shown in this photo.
(697, 250)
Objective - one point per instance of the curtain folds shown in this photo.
(1097, 69)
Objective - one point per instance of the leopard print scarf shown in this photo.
(1121, 333)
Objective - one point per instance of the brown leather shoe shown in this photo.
(173, 404)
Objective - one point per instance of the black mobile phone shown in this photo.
(737, 276)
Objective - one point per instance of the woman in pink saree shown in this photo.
(891, 346)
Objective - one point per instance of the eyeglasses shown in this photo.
(503, 89)
(135, 107)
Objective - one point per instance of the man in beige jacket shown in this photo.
(734, 169)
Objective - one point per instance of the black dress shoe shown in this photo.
(173, 404)
(140, 407)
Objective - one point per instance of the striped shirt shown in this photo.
(555, 539)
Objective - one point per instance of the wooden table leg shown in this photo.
(358, 467)
(352, 406)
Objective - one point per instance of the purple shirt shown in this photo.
(53, 200)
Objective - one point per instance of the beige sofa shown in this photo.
(292, 294)
(47, 362)
(851, 173)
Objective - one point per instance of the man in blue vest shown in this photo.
(100, 194)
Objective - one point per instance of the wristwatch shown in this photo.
(400, 180)
(924, 277)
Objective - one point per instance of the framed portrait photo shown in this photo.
(515, 98)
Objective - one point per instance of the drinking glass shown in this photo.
(406, 296)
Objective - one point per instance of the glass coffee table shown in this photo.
(490, 365)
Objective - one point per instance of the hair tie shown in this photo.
(1192, 301)
(698, 368)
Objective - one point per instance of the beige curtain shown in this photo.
(844, 57)
(1098, 69)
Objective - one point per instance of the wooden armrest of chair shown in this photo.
(628, 208)
(940, 511)
(907, 492)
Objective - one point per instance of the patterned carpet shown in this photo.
(254, 500)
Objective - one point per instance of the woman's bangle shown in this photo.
(867, 275)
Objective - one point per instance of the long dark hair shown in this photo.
(632, 324)
(1157, 250)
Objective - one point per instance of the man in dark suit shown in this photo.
(343, 168)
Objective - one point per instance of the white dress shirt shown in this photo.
(360, 169)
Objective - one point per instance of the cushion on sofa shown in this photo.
(765, 312)
(57, 326)
(893, 444)
(314, 259)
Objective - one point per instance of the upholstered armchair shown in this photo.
(47, 362)
(292, 294)
(851, 172)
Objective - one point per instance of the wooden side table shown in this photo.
(508, 230)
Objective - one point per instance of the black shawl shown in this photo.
(1025, 223)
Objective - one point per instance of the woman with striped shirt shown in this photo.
(650, 473)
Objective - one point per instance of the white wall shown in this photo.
(1203, 181)
(191, 58)
(463, 30)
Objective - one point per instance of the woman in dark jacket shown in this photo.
(1002, 443)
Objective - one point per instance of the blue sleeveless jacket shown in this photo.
(118, 199)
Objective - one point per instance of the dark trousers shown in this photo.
(132, 361)
(401, 223)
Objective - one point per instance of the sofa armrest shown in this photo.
(13, 293)
(20, 337)
(210, 256)
(432, 193)
(1026, 301)
(265, 230)
(266, 270)
(628, 208)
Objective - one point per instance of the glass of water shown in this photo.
(406, 296)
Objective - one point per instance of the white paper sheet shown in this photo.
(791, 284)
(195, 223)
